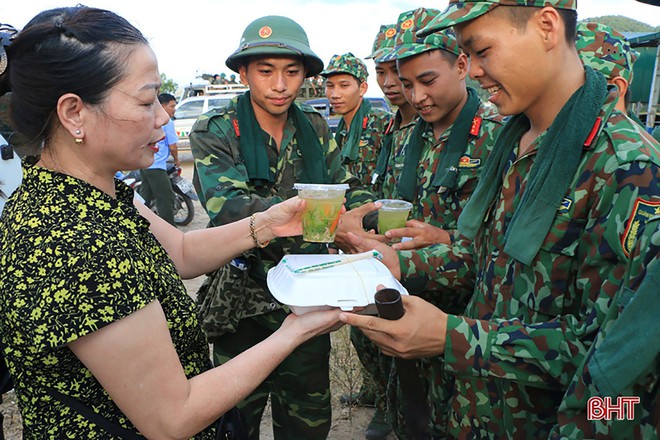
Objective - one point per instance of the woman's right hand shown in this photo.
(306, 326)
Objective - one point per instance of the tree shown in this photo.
(167, 85)
(623, 24)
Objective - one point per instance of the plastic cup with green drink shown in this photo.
(392, 214)
(321, 216)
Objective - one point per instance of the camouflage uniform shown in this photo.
(237, 310)
(225, 192)
(373, 123)
(437, 206)
(621, 362)
(527, 327)
(400, 138)
(608, 52)
(376, 366)
(605, 50)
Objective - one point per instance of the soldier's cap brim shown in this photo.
(403, 51)
(456, 13)
(335, 71)
(373, 55)
(312, 62)
(382, 55)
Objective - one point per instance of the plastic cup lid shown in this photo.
(320, 187)
(395, 205)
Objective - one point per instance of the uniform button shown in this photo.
(273, 305)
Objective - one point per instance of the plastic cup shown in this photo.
(321, 216)
(392, 214)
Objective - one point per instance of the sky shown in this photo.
(192, 37)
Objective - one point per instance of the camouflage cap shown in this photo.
(275, 35)
(460, 11)
(383, 43)
(409, 43)
(347, 63)
(605, 50)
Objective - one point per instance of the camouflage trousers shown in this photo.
(379, 371)
(375, 368)
(299, 387)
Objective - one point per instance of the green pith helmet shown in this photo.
(605, 50)
(460, 11)
(347, 63)
(275, 35)
(383, 43)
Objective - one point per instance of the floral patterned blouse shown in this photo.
(73, 260)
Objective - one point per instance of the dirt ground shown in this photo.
(347, 423)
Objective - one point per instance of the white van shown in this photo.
(188, 110)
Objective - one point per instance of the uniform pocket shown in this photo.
(548, 281)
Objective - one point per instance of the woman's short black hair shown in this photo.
(76, 50)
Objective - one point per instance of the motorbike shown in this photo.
(184, 193)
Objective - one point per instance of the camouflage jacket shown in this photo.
(629, 364)
(224, 189)
(442, 208)
(527, 328)
(374, 125)
(400, 135)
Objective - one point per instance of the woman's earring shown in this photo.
(78, 140)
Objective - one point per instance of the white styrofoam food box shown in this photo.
(345, 286)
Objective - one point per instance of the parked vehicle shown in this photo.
(184, 193)
(322, 106)
(197, 100)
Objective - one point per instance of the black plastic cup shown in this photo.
(389, 304)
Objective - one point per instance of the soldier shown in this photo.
(620, 362)
(361, 129)
(546, 236)
(247, 157)
(376, 368)
(390, 159)
(444, 156)
(608, 52)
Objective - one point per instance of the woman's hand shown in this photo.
(311, 324)
(283, 219)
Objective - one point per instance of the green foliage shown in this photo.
(623, 24)
(167, 85)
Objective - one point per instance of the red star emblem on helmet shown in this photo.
(265, 32)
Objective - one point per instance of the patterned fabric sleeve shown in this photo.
(439, 267)
(548, 353)
(99, 283)
(356, 195)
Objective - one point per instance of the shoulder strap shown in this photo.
(116, 430)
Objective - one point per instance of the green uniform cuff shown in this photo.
(466, 346)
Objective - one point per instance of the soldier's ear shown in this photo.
(462, 64)
(242, 73)
(622, 84)
(363, 88)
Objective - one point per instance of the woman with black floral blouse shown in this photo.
(92, 307)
